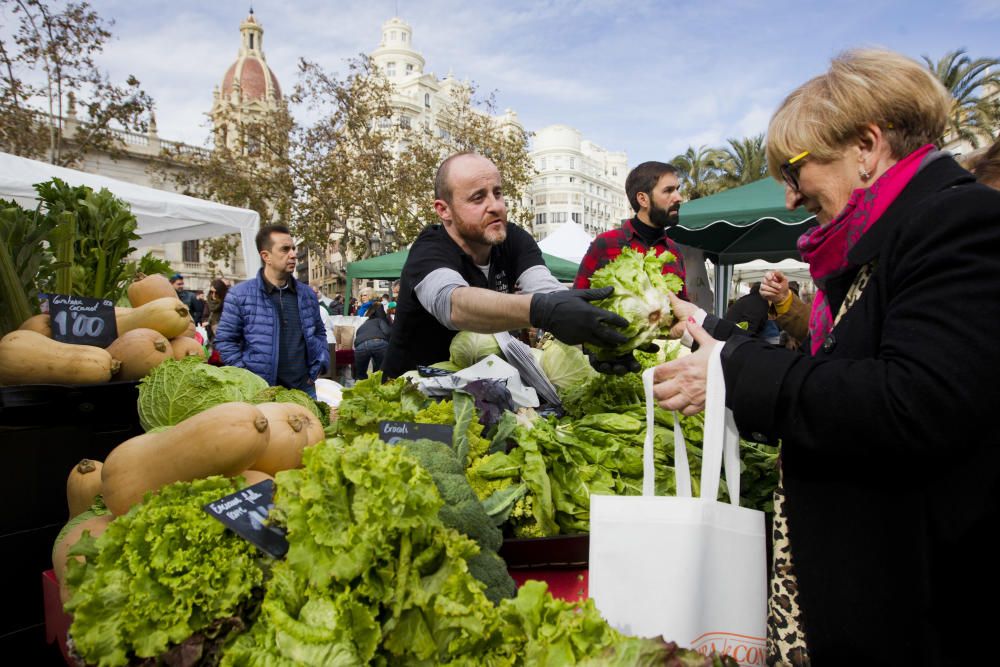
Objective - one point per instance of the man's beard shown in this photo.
(662, 217)
(489, 236)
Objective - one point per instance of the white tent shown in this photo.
(754, 271)
(568, 242)
(163, 217)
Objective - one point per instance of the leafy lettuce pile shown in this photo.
(166, 575)
(176, 390)
(640, 297)
(373, 576)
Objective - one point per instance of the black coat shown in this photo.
(891, 452)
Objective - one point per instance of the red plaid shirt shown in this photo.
(609, 245)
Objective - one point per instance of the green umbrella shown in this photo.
(740, 225)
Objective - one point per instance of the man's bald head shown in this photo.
(443, 188)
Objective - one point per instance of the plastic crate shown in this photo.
(561, 562)
(44, 431)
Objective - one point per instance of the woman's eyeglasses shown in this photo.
(790, 170)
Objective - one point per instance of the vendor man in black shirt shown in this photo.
(477, 272)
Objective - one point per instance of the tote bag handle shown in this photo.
(721, 446)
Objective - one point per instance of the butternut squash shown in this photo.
(167, 315)
(224, 440)
(28, 357)
(254, 477)
(40, 323)
(145, 289)
(140, 351)
(191, 330)
(82, 486)
(183, 346)
(293, 428)
(71, 533)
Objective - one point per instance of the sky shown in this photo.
(647, 77)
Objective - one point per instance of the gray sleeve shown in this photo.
(434, 294)
(538, 280)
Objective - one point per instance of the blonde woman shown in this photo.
(890, 484)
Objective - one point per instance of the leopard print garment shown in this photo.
(786, 639)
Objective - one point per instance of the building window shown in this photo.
(384, 123)
(409, 68)
(614, 171)
(539, 218)
(559, 217)
(576, 218)
(404, 122)
(572, 179)
(572, 163)
(427, 100)
(251, 41)
(394, 35)
(391, 67)
(541, 164)
(190, 251)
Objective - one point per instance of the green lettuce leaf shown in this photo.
(640, 297)
(159, 574)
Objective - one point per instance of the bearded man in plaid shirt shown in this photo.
(654, 192)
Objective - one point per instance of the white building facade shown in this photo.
(420, 99)
(576, 181)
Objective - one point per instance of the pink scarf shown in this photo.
(825, 248)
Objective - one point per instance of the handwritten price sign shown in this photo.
(82, 320)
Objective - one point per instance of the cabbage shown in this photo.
(468, 348)
(640, 297)
(565, 365)
(176, 390)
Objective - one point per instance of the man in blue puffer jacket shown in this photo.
(271, 324)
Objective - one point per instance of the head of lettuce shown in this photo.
(640, 297)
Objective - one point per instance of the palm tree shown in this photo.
(745, 161)
(973, 84)
(699, 170)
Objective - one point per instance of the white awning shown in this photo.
(163, 216)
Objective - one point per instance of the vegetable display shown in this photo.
(164, 575)
(373, 576)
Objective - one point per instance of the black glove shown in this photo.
(627, 363)
(571, 319)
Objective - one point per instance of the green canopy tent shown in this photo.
(390, 267)
(739, 225)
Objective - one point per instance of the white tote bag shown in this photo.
(690, 569)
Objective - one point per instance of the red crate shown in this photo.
(57, 621)
(569, 585)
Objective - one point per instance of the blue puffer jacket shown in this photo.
(247, 335)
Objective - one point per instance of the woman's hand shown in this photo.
(680, 384)
(683, 311)
(774, 287)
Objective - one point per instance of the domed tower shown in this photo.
(249, 91)
(395, 55)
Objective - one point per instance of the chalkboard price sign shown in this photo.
(82, 320)
(392, 432)
(245, 513)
